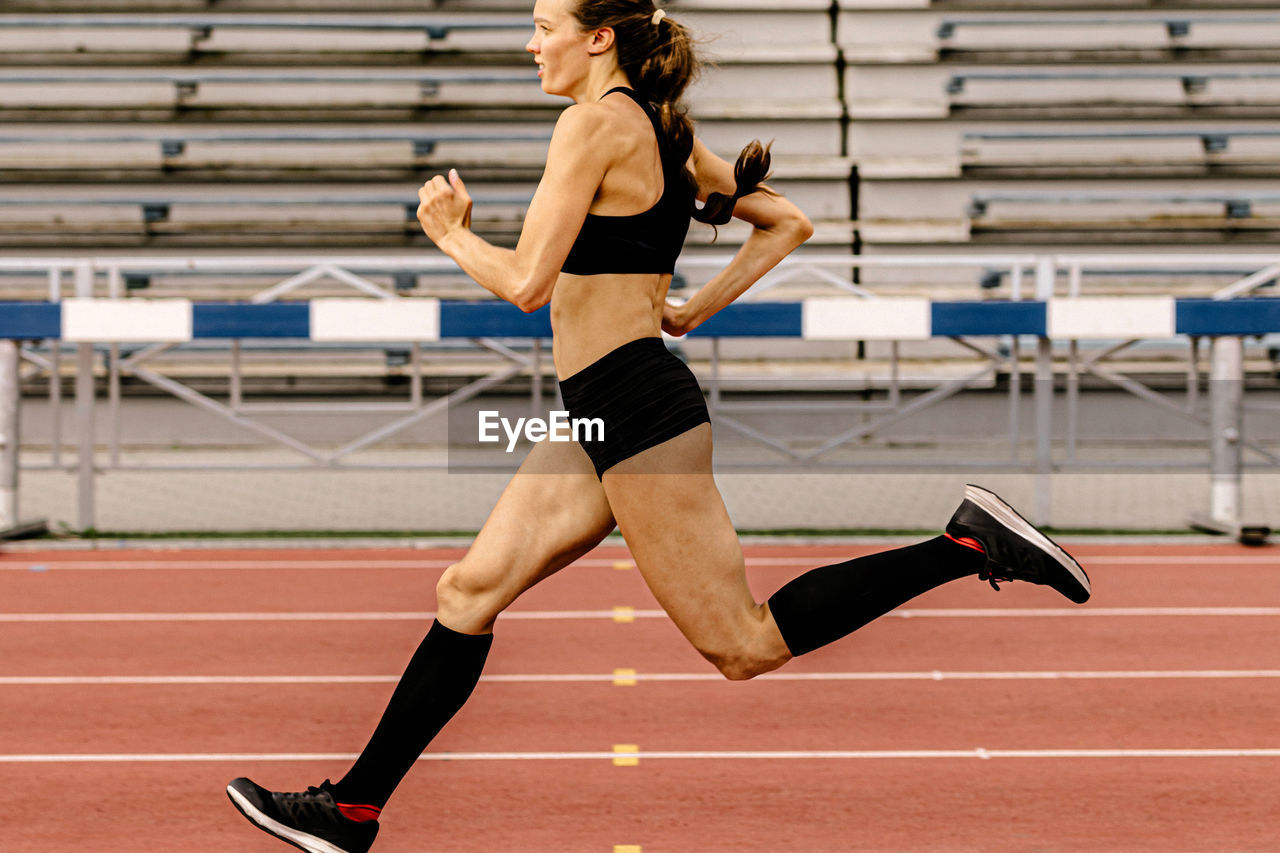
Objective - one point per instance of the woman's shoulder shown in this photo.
(613, 119)
(582, 130)
(588, 119)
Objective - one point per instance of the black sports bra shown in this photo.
(646, 242)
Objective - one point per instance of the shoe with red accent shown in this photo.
(1015, 549)
(309, 820)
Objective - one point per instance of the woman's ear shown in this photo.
(601, 41)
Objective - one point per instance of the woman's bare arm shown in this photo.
(778, 228)
(577, 159)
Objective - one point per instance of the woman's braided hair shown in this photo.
(657, 55)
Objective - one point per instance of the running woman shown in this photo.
(599, 244)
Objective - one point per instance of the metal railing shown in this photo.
(10, 441)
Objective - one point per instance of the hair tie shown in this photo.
(658, 16)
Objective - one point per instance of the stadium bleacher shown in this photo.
(896, 122)
(141, 106)
(1123, 124)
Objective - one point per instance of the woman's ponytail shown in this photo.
(751, 170)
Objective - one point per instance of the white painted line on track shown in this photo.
(801, 561)
(301, 616)
(706, 755)
(220, 565)
(982, 613)
(560, 615)
(30, 562)
(1012, 612)
(163, 680)
(1182, 560)
(654, 677)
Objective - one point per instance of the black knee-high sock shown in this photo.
(439, 679)
(827, 603)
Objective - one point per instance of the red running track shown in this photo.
(135, 684)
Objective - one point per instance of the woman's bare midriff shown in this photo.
(592, 315)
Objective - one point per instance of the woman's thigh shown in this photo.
(684, 543)
(553, 511)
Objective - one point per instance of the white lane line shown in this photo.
(1182, 560)
(148, 680)
(360, 616)
(703, 755)
(655, 677)
(801, 561)
(977, 613)
(313, 616)
(611, 615)
(35, 563)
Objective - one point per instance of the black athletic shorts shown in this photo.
(642, 394)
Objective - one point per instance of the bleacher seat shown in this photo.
(938, 91)
(927, 35)
(157, 151)
(256, 216)
(289, 37)
(1091, 211)
(1197, 151)
(1061, 149)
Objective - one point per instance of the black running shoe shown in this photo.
(1016, 551)
(309, 820)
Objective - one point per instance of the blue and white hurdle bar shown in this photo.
(371, 320)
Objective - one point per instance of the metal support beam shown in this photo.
(8, 435)
(85, 393)
(1041, 507)
(1226, 417)
(1226, 444)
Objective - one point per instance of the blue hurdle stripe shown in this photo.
(954, 319)
(240, 320)
(492, 320)
(754, 320)
(30, 321)
(1228, 317)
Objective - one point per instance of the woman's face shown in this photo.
(559, 47)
